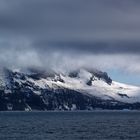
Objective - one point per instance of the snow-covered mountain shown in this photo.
(77, 90)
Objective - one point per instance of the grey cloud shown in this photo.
(70, 33)
(71, 20)
(110, 47)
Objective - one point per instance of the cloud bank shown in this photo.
(102, 34)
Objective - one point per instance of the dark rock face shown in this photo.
(26, 95)
(89, 83)
(73, 74)
(104, 76)
(123, 95)
(101, 75)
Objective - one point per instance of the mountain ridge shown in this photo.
(82, 89)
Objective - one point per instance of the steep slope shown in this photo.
(77, 90)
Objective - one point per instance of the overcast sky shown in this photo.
(67, 34)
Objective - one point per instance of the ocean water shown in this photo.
(98, 125)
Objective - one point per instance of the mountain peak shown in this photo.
(82, 88)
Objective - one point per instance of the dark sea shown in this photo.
(98, 125)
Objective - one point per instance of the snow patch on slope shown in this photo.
(99, 88)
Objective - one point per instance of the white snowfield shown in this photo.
(99, 88)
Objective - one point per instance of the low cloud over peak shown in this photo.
(67, 34)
